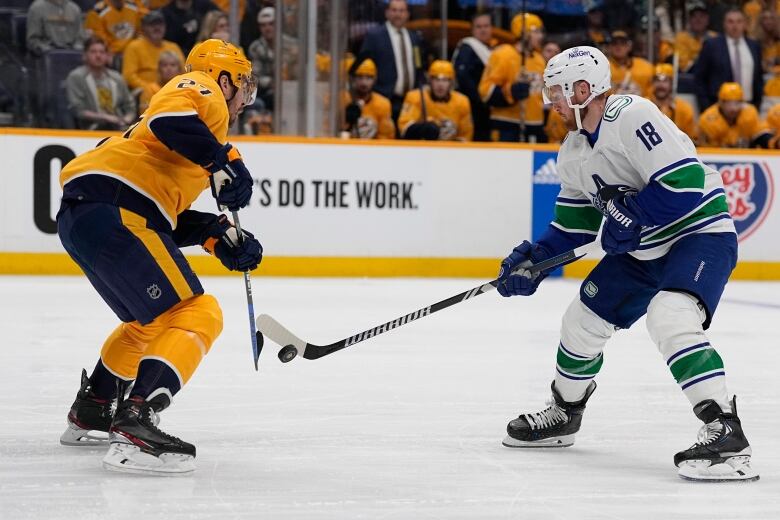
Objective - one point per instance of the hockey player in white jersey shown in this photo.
(671, 246)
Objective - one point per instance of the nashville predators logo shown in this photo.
(154, 291)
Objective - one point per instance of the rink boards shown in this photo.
(327, 207)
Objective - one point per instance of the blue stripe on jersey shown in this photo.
(662, 206)
(672, 166)
(683, 351)
(578, 202)
(704, 200)
(699, 380)
(687, 231)
(570, 353)
(579, 378)
(556, 241)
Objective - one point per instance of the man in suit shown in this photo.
(469, 59)
(397, 53)
(730, 57)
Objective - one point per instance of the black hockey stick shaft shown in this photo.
(276, 332)
(249, 299)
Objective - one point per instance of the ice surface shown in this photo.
(404, 426)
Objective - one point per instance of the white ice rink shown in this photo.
(404, 426)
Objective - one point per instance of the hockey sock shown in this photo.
(674, 321)
(574, 372)
(103, 382)
(583, 336)
(170, 360)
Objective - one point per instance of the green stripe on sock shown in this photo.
(578, 217)
(691, 176)
(578, 366)
(697, 363)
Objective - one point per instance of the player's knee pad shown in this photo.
(672, 317)
(201, 315)
(583, 331)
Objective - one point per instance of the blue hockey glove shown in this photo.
(513, 279)
(235, 254)
(519, 90)
(622, 225)
(231, 182)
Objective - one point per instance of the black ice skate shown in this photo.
(553, 427)
(89, 418)
(138, 446)
(721, 453)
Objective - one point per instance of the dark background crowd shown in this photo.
(712, 66)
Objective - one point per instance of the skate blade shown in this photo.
(127, 458)
(733, 469)
(75, 436)
(563, 441)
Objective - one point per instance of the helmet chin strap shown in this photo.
(577, 108)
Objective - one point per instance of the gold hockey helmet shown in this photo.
(215, 57)
(731, 91)
(366, 68)
(441, 69)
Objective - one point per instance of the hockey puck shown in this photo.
(287, 354)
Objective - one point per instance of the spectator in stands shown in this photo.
(630, 74)
(224, 6)
(259, 123)
(773, 122)
(596, 33)
(142, 55)
(511, 83)
(676, 109)
(116, 22)
(183, 20)
(732, 123)
(729, 57)
(169, 66)
(549, 49)
(437, 111)
(215, 25)
(470, 57)
(687, 43)
(261, 52)
(98, 96)
(397, 53)
(772, 89)
(54, 24)
(368, 113)
(768, 36)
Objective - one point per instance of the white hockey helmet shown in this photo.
(573, 65)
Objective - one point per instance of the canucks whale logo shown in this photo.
(749, 192)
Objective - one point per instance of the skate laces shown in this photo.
(550, 416)
(154, 419)
(709, 432)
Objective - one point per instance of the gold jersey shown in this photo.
(376, 117)
(716, 131)
(688, 46)
(116, 27)
(634, 78)
(453, 115)
(501, 71)
(141, 161)
(681, 113)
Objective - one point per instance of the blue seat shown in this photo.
(54, 68)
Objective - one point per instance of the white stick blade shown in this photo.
(277, 333)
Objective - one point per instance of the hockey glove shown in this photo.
(513, 278)
(519, 90)
(428, 131)
(237, 255)
(622, 225)
(231, 182)
(352, 114)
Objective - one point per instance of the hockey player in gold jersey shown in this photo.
(123, 218)
(733, 123)
(511, 83)
(773, 122)
(368, 113)
(676, 109)
(437, 111)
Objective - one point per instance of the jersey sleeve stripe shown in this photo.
(673, 166)
(573, 231)
(170, 114)
(572, 202)
(578, 218)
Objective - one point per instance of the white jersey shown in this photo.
(638, 147)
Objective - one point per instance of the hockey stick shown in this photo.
(293, 345)
(257, 338)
